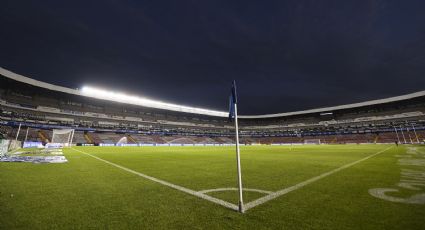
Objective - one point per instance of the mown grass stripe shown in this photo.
(279, 193)
(177, 187)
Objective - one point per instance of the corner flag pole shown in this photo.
(402, 133)
(398, 138)
(26, 134)
(17, 133)
(414, 130)
(238, 159)
(233, 113)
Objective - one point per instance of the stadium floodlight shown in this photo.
(135, 100)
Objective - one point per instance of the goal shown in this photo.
(61, 138)
(312, 141)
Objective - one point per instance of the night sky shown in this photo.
(284, 55)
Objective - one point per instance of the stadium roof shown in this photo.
(134, 100)
(340, 107)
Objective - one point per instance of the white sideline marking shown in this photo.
(279, 193)
(235, 189)
(177, 187)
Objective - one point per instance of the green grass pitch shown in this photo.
(88, 193)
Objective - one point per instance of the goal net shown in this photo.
(61, 138)
(312, 141)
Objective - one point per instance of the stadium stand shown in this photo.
(41, 107)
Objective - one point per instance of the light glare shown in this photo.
(124, 98)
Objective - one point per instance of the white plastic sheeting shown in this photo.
(35, 159)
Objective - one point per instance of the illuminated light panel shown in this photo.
(134, 100)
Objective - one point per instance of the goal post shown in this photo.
(312, 141)
(62, 138)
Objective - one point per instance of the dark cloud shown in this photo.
(285, 55)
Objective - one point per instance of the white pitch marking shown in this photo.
(235, 189)
(177, 187)
(279, 193)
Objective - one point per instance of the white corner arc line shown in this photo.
(235, 189)
(177, 187)
(284, 191)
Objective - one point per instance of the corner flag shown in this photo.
(233, 100)
(233, 115)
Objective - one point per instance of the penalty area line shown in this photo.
(177, 187)
(284, 191)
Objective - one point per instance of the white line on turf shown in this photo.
(235, 189)
(279, 193)
(177, 187)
